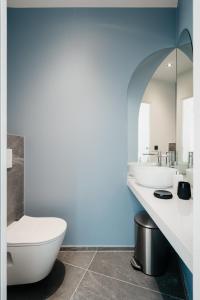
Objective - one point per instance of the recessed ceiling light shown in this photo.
(169, 65)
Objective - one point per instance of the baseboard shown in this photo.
(95, 248)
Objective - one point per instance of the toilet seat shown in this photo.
(32, 231)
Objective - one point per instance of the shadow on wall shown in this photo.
(136, 89)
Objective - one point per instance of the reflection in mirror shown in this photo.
(165, 123)
(185, 44)
(157, 116)
(184, 111)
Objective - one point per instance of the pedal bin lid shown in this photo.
(144, 220)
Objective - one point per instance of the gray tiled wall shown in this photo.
(15, 185)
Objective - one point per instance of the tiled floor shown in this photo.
(100, 275)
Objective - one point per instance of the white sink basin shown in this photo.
(154, 177)
(134, 164)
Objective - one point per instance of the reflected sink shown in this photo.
(154, 176)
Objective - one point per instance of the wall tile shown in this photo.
(15, 180)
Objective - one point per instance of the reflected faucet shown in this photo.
(158, 155)
(170, 157)
(190, 160)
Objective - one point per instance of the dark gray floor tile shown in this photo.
(71, 280)
(97, 287)
(59, 284)
(117, 265)
(77, 258)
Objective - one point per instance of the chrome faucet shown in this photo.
(190, 160)
(171, 159)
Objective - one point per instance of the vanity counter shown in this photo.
(174, 218)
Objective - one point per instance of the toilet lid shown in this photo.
(31, 230)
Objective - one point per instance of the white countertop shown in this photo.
(174, 218)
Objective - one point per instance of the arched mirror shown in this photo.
(184, 108)
(165, 121)
(157, 114)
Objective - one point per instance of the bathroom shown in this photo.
(89, 141)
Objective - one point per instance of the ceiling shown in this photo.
(92, 3)
(180, 65)
(165, 73)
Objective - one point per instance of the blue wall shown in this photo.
(68, 74)
(185, 21)
(185, 16)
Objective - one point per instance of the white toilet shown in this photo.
(33, 245)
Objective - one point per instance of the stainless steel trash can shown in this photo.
(152, 248)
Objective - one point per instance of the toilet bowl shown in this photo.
(32, 247)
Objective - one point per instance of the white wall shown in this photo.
(3, 136)
(162, 97)
(196, 223)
